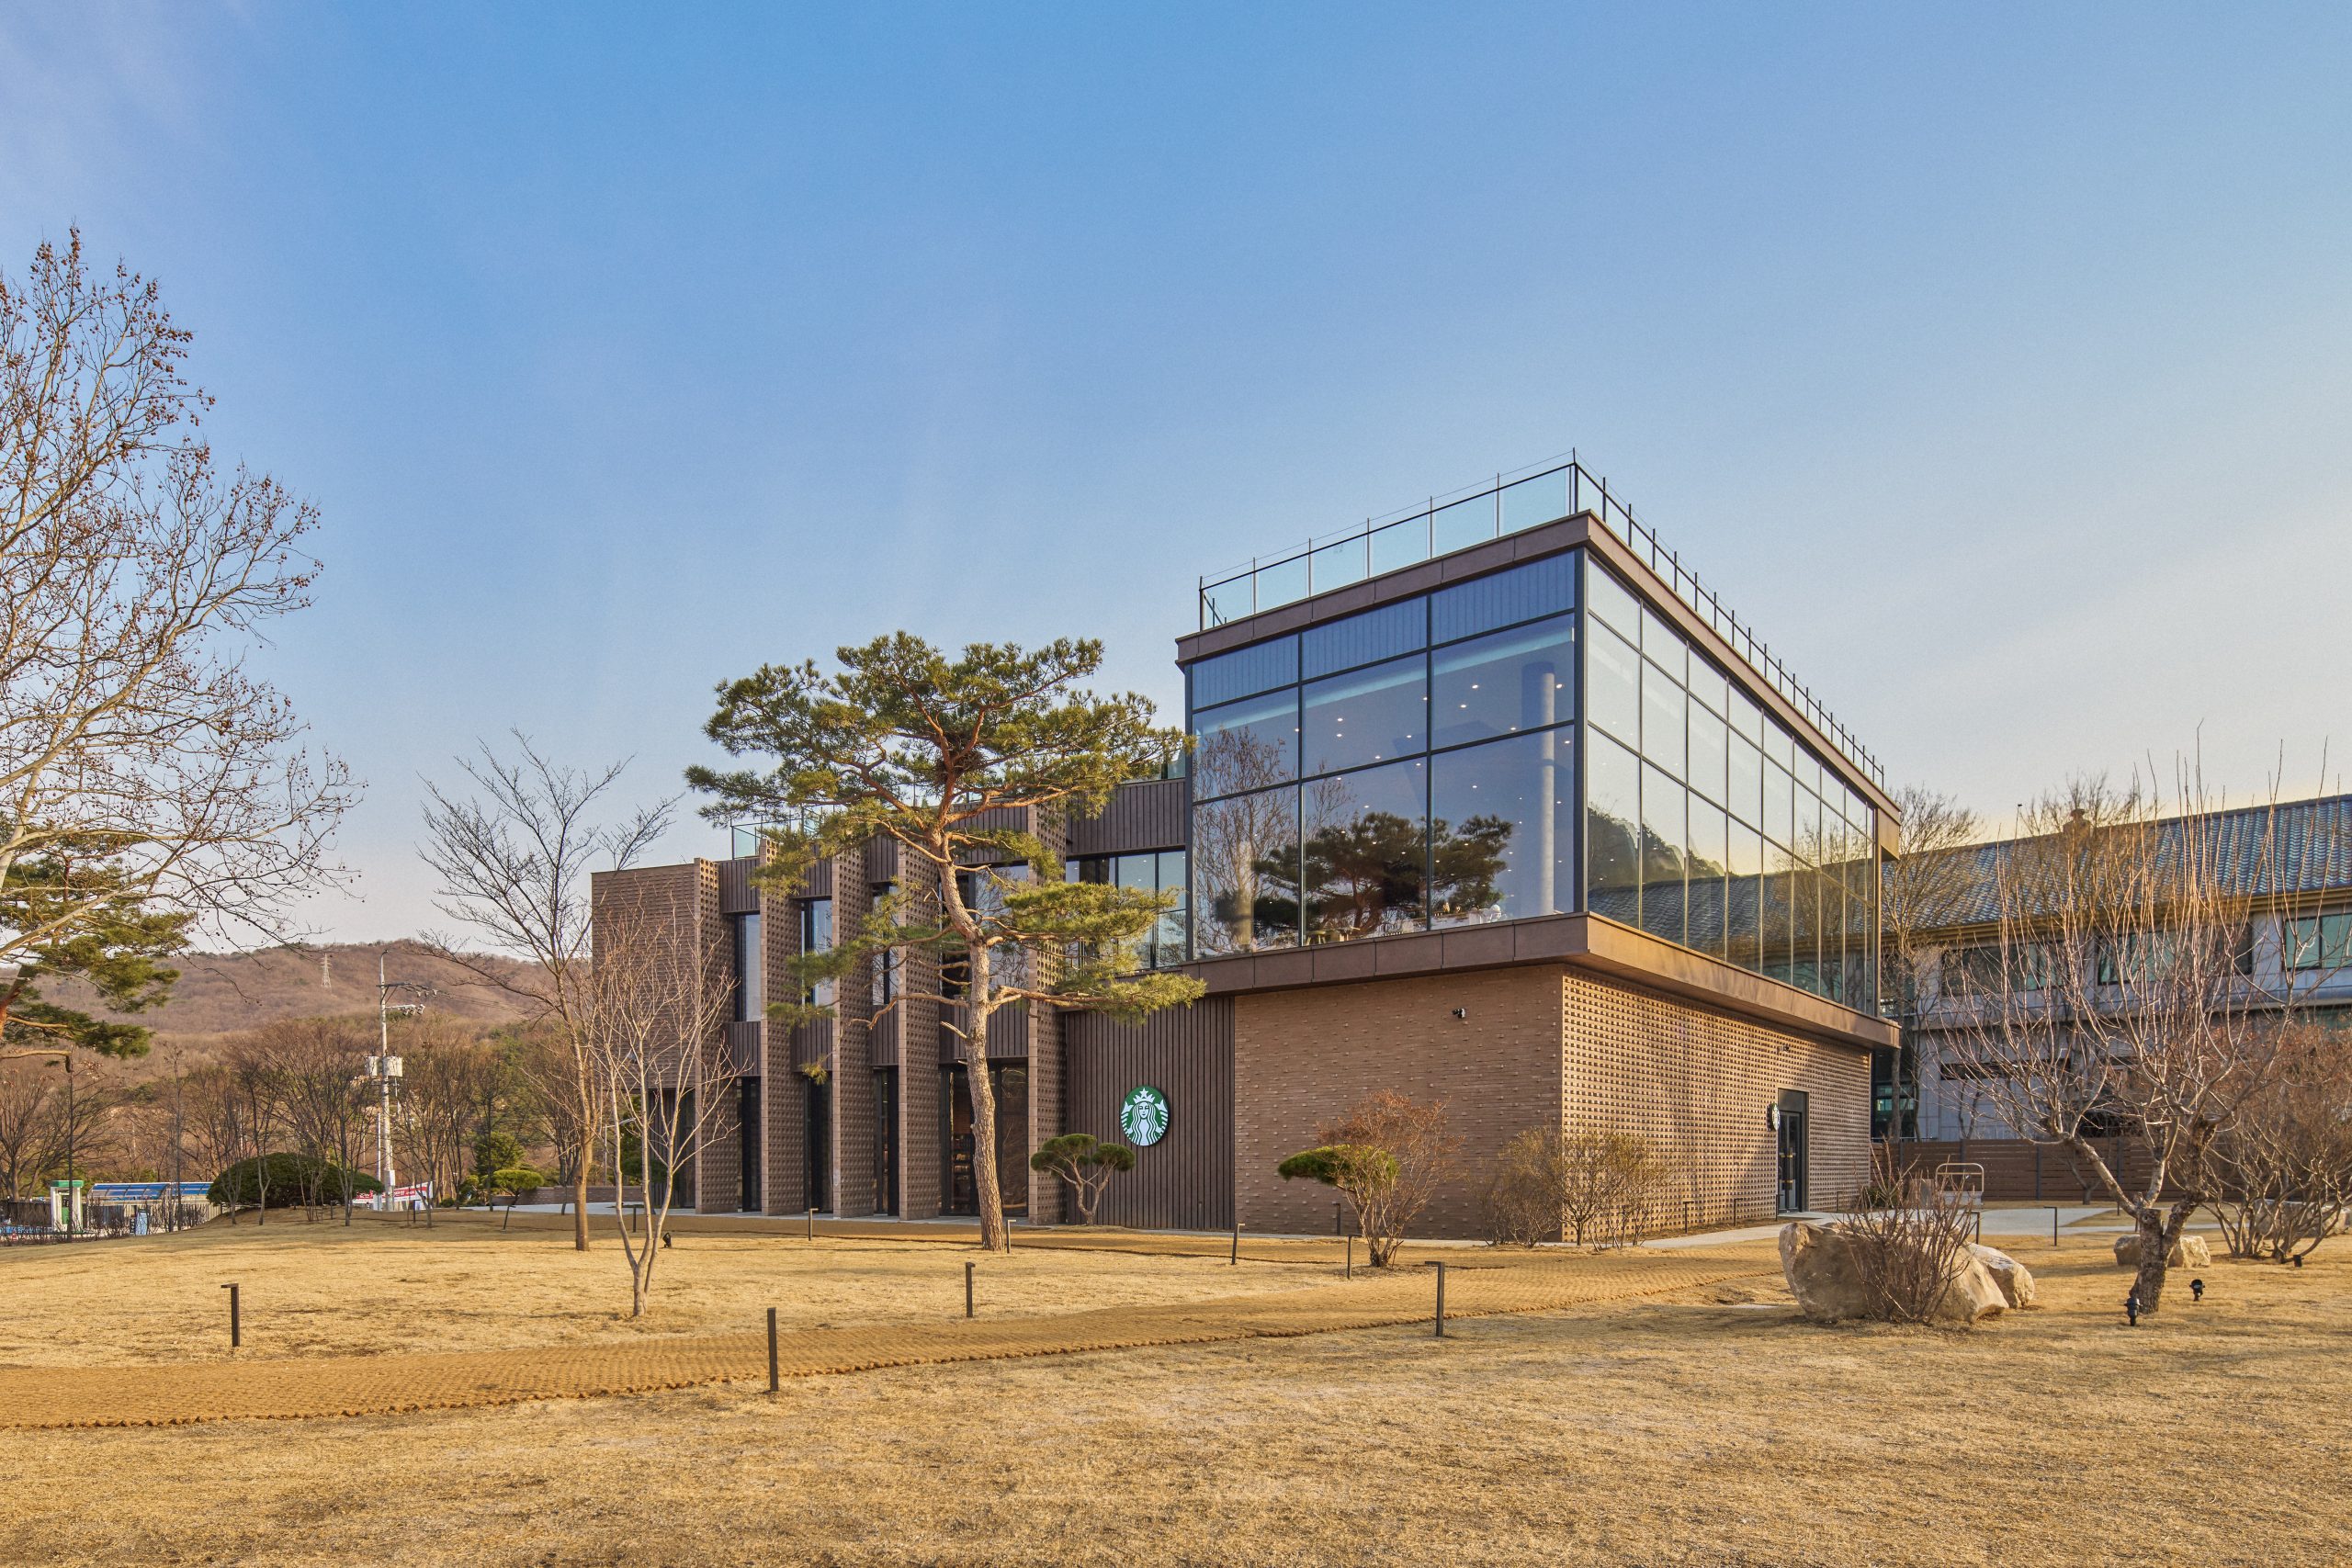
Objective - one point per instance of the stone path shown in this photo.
(170, 1394)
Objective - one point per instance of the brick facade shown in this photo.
(1302, 1057)
(1542, 1046)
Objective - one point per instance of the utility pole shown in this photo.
(384, 1069)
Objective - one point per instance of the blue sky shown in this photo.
(1992, 361)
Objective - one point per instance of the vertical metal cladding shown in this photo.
(1185, 1180)
(1048, 1059)
(1140, 817)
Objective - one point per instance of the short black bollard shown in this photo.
(968, 1289)
(774, 1385)
(1351, 1258)
(812, 1225)
(236, 1333)
(2053, 1225)
(1440, 1331)
(1236, 1259)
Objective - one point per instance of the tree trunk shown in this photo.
(580, 1206)
(2156, 1246)
(993, 1235)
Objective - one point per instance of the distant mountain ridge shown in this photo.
(220, 993)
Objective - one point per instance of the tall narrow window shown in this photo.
(750, 998)
(817, 936)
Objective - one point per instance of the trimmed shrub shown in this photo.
(287, 1181)
(1085, 1163)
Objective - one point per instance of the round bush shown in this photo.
(287, 1181)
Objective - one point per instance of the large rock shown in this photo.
(2013, 1279)
(2189, 1252)
(1825, 1276)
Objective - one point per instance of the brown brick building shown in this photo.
(1491, 803)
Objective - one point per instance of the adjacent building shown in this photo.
(1491, 802)
(2288, 867)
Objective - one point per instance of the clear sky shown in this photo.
(1992, 361)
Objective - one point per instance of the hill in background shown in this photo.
(220, 993)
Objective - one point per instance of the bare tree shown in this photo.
(320, 1068)
(215, 1120)
(35, 1133)
(652, 1023)
(2282, 1170)
(446, 1068)
(515, 860)
(142, 762)
(2121, 990)
(251, 1084)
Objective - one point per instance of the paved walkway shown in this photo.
(2011, 1223)
(172, 1395)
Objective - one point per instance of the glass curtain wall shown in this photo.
(1409, 767)
(1162, 873)
(1706, 823)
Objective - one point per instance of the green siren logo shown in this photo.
(1143, 1116)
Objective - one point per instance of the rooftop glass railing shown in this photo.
(1511, 503)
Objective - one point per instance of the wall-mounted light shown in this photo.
(1462, 1012)
(1772, 1117)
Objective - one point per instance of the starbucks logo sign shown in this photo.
(1143, 1116)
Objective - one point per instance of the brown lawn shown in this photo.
(383, 1286)
(1713, 1428)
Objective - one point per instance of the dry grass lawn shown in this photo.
(382, 1286)
(1714, 1428)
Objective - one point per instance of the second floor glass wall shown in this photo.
(1408, 767)
(1415, 766)
(1709, 825)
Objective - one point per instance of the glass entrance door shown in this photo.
(1792, 1195)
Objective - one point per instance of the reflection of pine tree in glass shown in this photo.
(1365, 877)
(1466, 864)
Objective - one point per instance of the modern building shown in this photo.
(1491, 802)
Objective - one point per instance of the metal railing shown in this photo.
(1510, 504)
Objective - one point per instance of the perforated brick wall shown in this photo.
(1698, 1084)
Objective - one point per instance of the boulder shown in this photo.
(2015, 1281)
(1826, 1277)
(2189, 1252)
